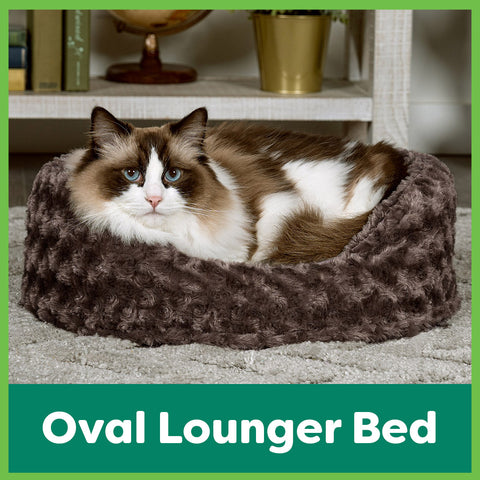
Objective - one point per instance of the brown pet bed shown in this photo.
(394, 278)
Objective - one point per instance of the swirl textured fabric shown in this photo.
(394, 278)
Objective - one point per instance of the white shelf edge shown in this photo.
(224, 98)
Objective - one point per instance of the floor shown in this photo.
(461, 167)
(24, 167)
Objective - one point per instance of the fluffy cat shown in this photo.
(235, 192)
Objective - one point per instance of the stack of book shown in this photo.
(17, 58)
(58, 44)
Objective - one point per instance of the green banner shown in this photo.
(240, 428)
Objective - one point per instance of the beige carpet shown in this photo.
(41, 353)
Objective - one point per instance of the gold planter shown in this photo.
(291, 51)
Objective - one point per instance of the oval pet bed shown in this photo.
(393, 279)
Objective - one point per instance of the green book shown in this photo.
(17, 36)
(76, 50)
(45, 30)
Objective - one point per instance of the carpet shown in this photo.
(42, 353)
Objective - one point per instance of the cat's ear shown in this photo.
(105, 128)
(192, 128)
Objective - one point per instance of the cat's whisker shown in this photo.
(206, 210)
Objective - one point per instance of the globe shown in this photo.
(151, 24)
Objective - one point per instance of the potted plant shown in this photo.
(291, 48)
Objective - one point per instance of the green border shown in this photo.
(246, 4)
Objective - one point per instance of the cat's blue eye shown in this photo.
(131, 174)
(173, 174)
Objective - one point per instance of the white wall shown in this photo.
(223, 45)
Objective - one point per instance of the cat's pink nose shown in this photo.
(154, 200)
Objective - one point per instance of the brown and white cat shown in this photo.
(235, 192)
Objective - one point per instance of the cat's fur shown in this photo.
(244, 192)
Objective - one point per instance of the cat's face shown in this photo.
(147, 174)
(151, 187)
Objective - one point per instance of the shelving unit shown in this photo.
(373, 101)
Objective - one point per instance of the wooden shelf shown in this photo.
(229, 98)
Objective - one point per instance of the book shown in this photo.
(17, 57)
(17, 79)
(76, 50)
(17, 36)
(45, 30)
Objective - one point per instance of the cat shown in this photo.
(236, 192)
